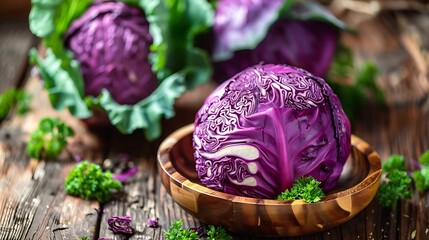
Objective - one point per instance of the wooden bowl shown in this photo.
(356, 188)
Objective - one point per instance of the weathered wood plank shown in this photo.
(15, 41)
(401, 131)
(397, 43)
(143, 195)
(137, 199)
(33, 196)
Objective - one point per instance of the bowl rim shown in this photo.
(372, 156)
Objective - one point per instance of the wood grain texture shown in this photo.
(15, 41)
(33, 204)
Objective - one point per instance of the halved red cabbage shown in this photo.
(266, 126)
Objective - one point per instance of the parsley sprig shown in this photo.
(217, 233)
(14, 98)
(397, 184)
(305, 188)
(421, 176)
(176, 231)
(353, 82)
(87, 180)
(49, 139)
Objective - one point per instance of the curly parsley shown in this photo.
(353, 82)
(216, 233)
(397, 184)
(177, 232)
(212, 233)
(87, 180)
(305, 188)
(394, 162)
(49, 139)
(11, 98)
(421, 177)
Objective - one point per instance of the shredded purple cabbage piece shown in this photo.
(111, 41)
(78, 158)
(122, 177)
(152, 222)
(266, 126)
(120, 224)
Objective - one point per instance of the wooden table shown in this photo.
(34, 205)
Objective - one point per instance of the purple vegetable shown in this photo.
(268, 125)
(111, 41)
(249, 32)
(124, 176)
(120, 224)
(152, 222)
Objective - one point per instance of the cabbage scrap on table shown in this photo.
(129, 58)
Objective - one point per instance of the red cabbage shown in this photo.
(266, 126)
(120, 224)
(122, 63)
(152, 222)
(124, 176)
(248, 32)
(111, 41)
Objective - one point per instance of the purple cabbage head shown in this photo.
(308, 44)
(266, 126)
(111, 41)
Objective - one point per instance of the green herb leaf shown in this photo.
(421, 178)
(424, 158)
(397, 186)
(353, 83)
(22, 99)
(394, 162)
(216, 233)
(366, 76)
(88, 181)
(305, 188)
(176, 232)
(14, 97)
(49, 139)
(7, 100)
